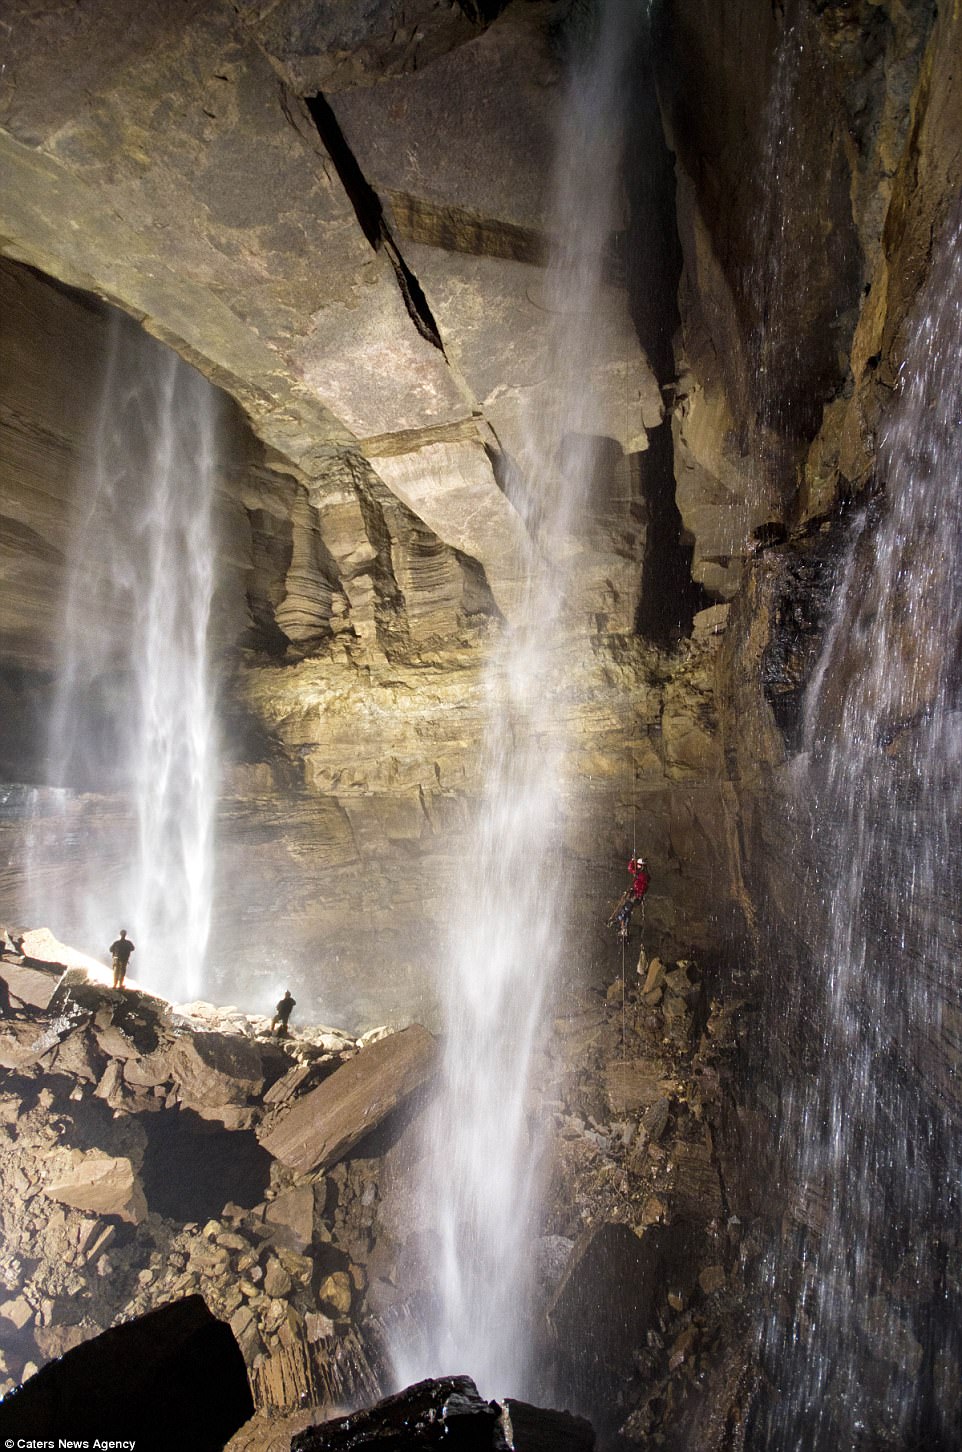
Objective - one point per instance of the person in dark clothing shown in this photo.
(280, 1019)
(120, 952)
(640, 878)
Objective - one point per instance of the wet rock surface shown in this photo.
(645, 1287)
(449, 1412)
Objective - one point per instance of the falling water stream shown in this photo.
(134, 711)
(480, 1175)
(867, 1344)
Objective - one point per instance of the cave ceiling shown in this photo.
(332, 212)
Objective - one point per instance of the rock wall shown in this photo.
(197, 175)
(352, 644)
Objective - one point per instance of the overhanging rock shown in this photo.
(320, 1128)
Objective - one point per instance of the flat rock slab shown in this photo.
(322, 1126)
(172, 1378)
(99, 1183)
(635, 1084)
(32, 984)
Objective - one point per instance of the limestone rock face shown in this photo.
(357, 44)
(818, 103)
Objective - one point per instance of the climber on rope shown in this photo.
(633, 895)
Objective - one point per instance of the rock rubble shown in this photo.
(150, 1154)
(131, 1176)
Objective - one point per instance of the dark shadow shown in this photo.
(653, 258)
(193, 1167)
(653, 264)
(370, 215)
(670, 598)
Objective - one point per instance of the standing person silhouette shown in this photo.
(280, 1020)
(120, 952)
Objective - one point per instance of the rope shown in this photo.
(624, 992)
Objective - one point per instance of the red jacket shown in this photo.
(640, 878)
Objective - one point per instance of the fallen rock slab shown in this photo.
(31, 984)
(322, 1126)
(635, 1084)
(172, 1378)
(100, 1184)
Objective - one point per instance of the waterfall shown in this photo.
(479, 1178)
(867, 1344)
(134, 709)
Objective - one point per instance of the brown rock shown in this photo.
(214, 1070)
(101, 1184)
(18, 1045)
(277, 1283)
(114, 1042)
(695, 1188)
(288, 1085)
(231, 1241)
(148, 1071)
(335, 1292)
(291, 1215)
(18, 1310)
(319, 1327)
(78, 1056)
(110, 1087)
(56, 1341)
(634, 1084)
(655, 1119)
(326, 1123)
(30, 984)
(712, 1278)
(655, 976)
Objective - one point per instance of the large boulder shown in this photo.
(213, 1071)
(99, 1183)
(28, 984)
(607, 1301)
(321, 1127)
(172, 1378)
